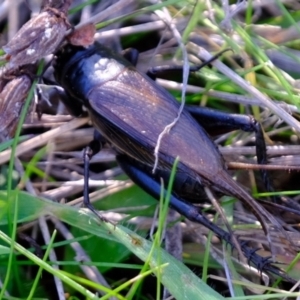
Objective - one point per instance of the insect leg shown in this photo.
(94, 147)
(131, 55)
(157, 71)
(191, 212)
(217, 122)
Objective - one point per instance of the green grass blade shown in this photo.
(175, 276)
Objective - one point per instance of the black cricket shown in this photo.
(130, 110)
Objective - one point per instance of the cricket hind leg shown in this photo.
(137, 173)
(217, 122)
